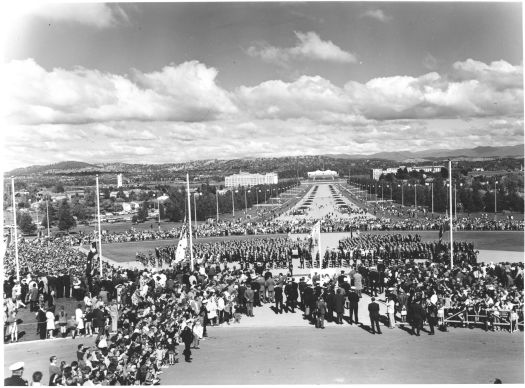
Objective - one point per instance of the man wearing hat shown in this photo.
(353, 301)
(17, 369)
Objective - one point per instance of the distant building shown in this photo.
(247, 179)
(325, 174)
(119, 180)
(377, 172)
(73, 193)
(130, 206)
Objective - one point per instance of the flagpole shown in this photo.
(14, 227)
(47, 217)
(450, 220)
(321, 256)
(99, 231)
(189, 219)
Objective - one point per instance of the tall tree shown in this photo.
(142, 214)
(25, 223)
(65, 218)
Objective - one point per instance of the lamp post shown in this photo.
(495, 193)
(402, 194)
(257, 196)
(233, 205)
(158, 204)
(245, 204)
(47, 216)
(194, 212)
(415, 195)
(217, 203)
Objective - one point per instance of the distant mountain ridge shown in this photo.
(516, 151)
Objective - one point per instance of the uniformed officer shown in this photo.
(17, 369)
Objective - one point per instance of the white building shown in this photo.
(119, 180)
(247, 179)
(377, 172)
(326, 174)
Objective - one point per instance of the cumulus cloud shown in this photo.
(470, 91)
(309, 46)
(186, 92)
(376, 14)
(179, 113)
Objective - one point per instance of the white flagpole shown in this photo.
(47, 217)
(450, 220)
(321, 256)
(15, 232)
(189, 219)
(99, 231)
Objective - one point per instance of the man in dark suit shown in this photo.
(278, 299)
(353, 301)
(373, 309)
(41, 322)
(417, 315)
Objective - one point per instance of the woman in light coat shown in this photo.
(50, 323)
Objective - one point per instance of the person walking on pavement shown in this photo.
(373, 309)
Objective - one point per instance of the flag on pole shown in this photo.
(180, 254)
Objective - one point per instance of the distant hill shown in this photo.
(516, 151)
(222, 167)
(36, 169)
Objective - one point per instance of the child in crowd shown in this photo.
(237, 315)
(197, 333)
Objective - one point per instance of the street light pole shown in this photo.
(233, 205)
(47, 216)
(217, 203)
(245, 204)
(495, 193)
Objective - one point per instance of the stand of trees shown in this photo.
(409, 188)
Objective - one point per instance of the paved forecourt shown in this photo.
(284, 348)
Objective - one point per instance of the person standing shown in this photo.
(321, 311)
(17, 369)
(339, 305)
(50, 323)
(431, 316)
(279, 299)
(187, 338)
(353, 301)
(113, 312)
(373, 310)
(249, 295)
(391, 312)
(358, 283)
(41, 322)
(269, 286)
(33, 297)
(417, 315)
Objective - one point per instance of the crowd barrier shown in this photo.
(507, 319)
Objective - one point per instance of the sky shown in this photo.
(173, 82)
